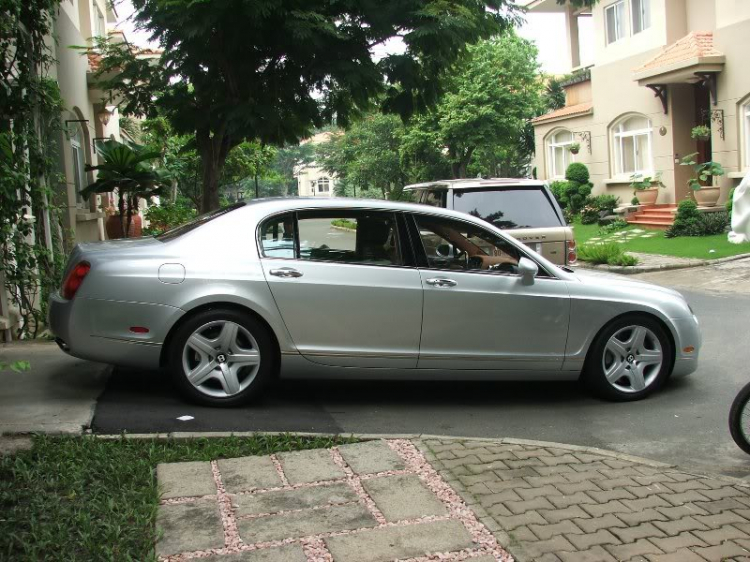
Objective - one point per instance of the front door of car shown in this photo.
(479, 312)
(345, 286)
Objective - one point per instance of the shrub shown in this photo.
(634, 201)
(604, 203)
(558, 190)
(614, 226)
(344, 223)
(577, 172)
(571, 195)
(589, 215)
(690, 222)
(729, 203)
(166, 216)
(609, 254)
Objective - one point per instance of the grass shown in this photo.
(654, 242)
(88, 499)
(344, 223)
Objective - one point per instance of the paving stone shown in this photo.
(594, 554)
(371, 457)
(681, 555)
(640, 547)
(301, 498)
(592, 525)
(722, 552)
(185, 479)
(597, 510)
(190, 526)
(403, 497)
(683, 540)
(557, 515)
(556, 545)
(287, 553)
(310, 466)
(545, 532)
(248, 473)
(509, 523)
(642, 531)
(589, 540)
(718, 536)
(390, 543)
(672, 528)
(573, 499)
(304, 523)
(645, 516)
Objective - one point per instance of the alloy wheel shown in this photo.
(221, 358)
(632, 359)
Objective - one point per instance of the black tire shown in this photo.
(593, 375)
(265, 345)
(739, 406)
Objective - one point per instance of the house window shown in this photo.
(324, 185)
(79, 171)
(559, 153)
(632, 146)
(745, 112)
(100, 25)
(615, 18)
(641, 15)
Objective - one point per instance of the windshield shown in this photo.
(509, 208)
(178, 231)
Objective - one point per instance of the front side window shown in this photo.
(510, 207)
(356, 237)
(460, 246)
(632, 145)
(559, 153)
(615, 19)
(641, 12)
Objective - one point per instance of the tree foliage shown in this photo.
(271, 70)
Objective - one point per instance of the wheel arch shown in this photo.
(226, 305)
(652, 316)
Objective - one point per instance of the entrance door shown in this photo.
(703, 117)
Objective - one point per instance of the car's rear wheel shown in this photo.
(630, 359)
(221, 358)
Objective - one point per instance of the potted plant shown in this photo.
(646, 188)
(126, 170)
(701, 132)
(635, 201)
(705, 195)
(574, 148)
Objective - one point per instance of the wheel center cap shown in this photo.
(631, 358)
(221, 358)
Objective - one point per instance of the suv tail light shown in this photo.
(74, 279)
(572, 252)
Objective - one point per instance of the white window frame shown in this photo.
(556, 174)
(324, 182)
(79, 171)
(617, 146)
(100, 22)
(613, 8)
(645, 15)
(745, 128)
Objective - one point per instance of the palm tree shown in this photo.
(126, 169)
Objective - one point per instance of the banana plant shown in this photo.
(127, 170)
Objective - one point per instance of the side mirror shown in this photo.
(528, 270)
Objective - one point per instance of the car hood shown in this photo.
(590, 277)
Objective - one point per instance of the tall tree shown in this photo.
(237, 70)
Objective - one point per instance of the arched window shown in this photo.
(77, 143)
(631, 141)
(559, 153)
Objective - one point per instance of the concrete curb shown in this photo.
(666, 267)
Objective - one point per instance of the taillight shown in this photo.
(572, 252)
(74, 279)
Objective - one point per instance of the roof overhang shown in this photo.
(681, 72)
(545, 6)
(567, 112)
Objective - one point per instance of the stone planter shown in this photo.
(115, 227)
(707, 196)
(647, 196)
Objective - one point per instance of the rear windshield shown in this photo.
(178, 231)
(509, 208)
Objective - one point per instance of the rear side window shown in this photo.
(509, 208)
(434, 198)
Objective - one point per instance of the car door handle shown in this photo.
(441, 282)
(285, 272)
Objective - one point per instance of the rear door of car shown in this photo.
(346, 285)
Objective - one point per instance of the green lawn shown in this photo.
(87, 499)
(653, 242)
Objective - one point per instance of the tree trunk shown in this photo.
(213, 150)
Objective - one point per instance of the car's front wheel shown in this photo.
(630, 359)
(221, 358)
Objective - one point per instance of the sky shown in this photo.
(546, 30)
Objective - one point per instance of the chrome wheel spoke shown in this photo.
(202, 372)
(637, 380)
(228, 336)
(201, 344)
(637, 338)
(617, 348)
(648, 357)
(632, 359)
(246, 357)
(229, 379)
(616, 371)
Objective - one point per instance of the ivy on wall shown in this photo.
(31, 246)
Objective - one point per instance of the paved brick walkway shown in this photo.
(368, 502)
(551, 504)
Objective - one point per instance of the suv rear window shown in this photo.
(509, 208)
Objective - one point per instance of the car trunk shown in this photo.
(551, 244)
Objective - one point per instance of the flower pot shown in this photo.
(648, 196)
(575, 151)
(115, 227)
(707, 196)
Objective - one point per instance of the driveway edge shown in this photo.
(632, 270)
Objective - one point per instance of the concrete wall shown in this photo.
(730, 12)
(578, 93)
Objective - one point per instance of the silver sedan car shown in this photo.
(362, 289)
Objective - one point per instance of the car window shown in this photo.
(434, 198)
(277, 236)
(509, 208)
(362, 237)
(456, 245)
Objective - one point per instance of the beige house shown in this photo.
(312, 180)
(661, 67)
